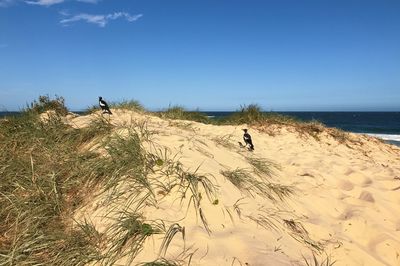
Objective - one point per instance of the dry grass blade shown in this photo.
(267, 220)
(245, 182)
(241, 179)
(169, 235)
(263, 166)
(327, 261)
(195, 184)
(299, 233)
(127, 235)
(280, 191)
(224, 141)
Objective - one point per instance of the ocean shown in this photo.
(385, 125)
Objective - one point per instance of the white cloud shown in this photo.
(64, 13)
(100, 20)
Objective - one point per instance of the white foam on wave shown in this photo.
(385, 136)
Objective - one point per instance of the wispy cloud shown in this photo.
(52, 2)
(44, 2)
(6, 3)
(89, 1)
(100, 20)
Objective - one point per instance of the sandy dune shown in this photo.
(345, 202)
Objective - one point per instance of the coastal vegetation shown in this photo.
(50, 170)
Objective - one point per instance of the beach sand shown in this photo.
(345, 200)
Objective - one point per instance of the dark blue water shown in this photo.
(360, 122)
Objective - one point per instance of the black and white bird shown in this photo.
(104, 106)
(247, 140)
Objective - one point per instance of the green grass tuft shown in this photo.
(46, 103)
(179, 113)
(250, 114)
(132, 105)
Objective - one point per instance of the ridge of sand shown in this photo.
(346, 198)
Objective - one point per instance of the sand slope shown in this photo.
(345, 202)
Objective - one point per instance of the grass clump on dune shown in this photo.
(128, 234)
(46, 103)
(179, 113)
(263, 166)
(246, 115)
(245, 182)
(128, 163)
(132, 105)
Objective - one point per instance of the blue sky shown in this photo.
(208, 54)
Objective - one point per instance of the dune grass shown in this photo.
(127, 236)
(250, 114)
(45, 177)
(263, 167)
(132, 105)
(179, 113)
(299, 233)
(245, 182)
(196, 184)
(224, 141)
(46, 103)
(241, 179)
(98, 127)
